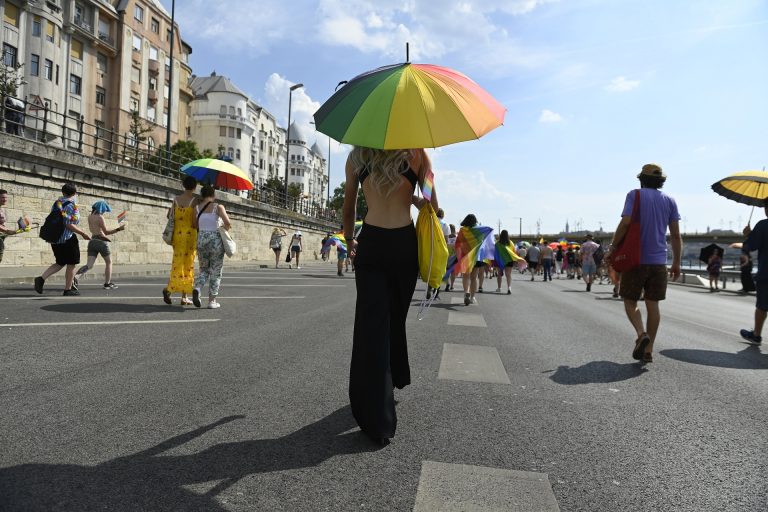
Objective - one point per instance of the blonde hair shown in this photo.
(385, 166)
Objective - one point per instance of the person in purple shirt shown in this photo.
(658, 212)
(757, 240)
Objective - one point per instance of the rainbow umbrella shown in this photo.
(218, 173)
(403, 106)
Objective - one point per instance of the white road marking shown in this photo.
(467, 319)
(117, 322)
(154, 297)
(474, 363)
(235, 285)
(454, 487)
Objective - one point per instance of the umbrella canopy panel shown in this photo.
(747, 187)
(709, 250)
(219, 173)
(409, 106)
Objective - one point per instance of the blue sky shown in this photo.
(594, 89)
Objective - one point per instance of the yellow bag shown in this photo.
(433, 251)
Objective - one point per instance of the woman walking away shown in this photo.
(296, 247)
(468, 275)
(210, 248)
(184, 243)
(276, 243)
(505, 244)
(714, 265)
(386, 268)
(99, 244)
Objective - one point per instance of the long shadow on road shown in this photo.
(596, 372)
(748, 359)
(112, 307)
(150, 481)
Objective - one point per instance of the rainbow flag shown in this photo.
(337, 240)
(472, 245)
(505, 255)
(429, 185)
(121, 216)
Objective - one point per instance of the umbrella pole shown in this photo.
(749, 222)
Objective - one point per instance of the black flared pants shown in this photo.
(386, 268)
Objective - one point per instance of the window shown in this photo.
(101, 96)
(75, 84)
(104, 29)
(48, 70)
(136, 43)
(153, 53)
(152, 83)
(222, 111)
(34, 68)
(293, 157)
(138, 13)
(9, 53)
(232, 132)
(261, 163)
(135, 75)
(78, 14)
(232, 111)
(101, 62)
(151, 113)
(76, 49)
(37, 26)
(166, 91)
(230, 152)
(237, 154)
(168, 35)
(57, 74)
(165, 121)
(239, 133)
(222, 131)
(133, 104)
(50, 31)
(239, 112)
(293, 171)
(101, 132)
(154, 25)
(261, 145)
(167, 65)
(11, 15)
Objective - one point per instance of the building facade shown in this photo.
(96, 61)
(224, 119)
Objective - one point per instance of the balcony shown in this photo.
(135, 87)
(154, 67)
(152, 95)
(106, 38)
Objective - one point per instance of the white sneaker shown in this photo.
(298, 268)
(473, 300)
(498, 290)
(213, 304)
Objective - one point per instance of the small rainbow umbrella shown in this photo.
(218, 173)
(403, 106)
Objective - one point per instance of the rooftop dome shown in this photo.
(296, 132)
(316, 149)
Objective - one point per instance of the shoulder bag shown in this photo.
(230, 247)
(627, 255)
(169, 226)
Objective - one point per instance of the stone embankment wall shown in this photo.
(33, 174)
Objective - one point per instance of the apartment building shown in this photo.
(97, 60)
(224, 119)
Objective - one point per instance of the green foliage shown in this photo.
(337, 201)
(294, 190)
(274, 183)
(11, 78)
(182, 152)
(135, 139)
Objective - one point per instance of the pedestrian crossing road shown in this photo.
(523, 402)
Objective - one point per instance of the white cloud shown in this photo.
(547, 116)
(621, 84)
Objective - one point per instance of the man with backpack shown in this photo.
(59, 230)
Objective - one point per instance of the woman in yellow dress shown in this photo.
(184, 243)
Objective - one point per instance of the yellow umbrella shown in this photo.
(746, 187)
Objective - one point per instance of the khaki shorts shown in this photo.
(98, 248)
(649, 280)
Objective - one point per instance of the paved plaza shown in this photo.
(529, 402)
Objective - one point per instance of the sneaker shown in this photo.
(110, 286)
(467, 300)
(196, 298)
(339, 273)
(480, 290)
(39, 282)
(749, 335)
(473, 300)
(75, 284)
(71, 293)
(498, 290)
(298, 268)
(509, 291)
(166, 296)
(213, 304)
(589, 287)
(451, 287)
(447, 287)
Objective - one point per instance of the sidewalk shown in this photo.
(26, 275)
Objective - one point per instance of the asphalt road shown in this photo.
(116, 401)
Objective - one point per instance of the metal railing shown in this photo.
(44, 125)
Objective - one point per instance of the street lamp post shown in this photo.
(170, 88)
(288, 138)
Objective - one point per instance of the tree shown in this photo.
(137, 134)
(274, 183)
(294, 190)
(337, 201)
(182, 152)
(11, 78)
